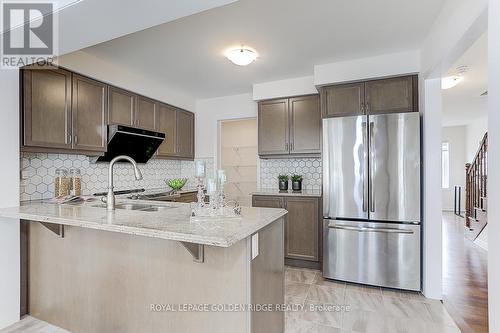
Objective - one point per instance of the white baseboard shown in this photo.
(482, 244)
(446, 210)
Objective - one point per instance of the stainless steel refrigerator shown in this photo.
(371, 200)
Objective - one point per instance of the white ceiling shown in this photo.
(88, 22)
(290, 36)
(464, 103)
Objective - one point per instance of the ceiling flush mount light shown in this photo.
(241, 56)
(455, 78)
(450, 81)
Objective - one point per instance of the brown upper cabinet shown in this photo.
(273, 127)
(167, 123)
(178, 126)
(290, 126)
(342, 100)
(47, 108)
(68, 112)
(129, 109)
(121, 107)
(62, 110)
(391, 95)
(305, 125)
(185, 134)
(145, 113)
(89, 114)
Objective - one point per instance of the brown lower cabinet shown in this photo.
(302, 227)
(187, 197)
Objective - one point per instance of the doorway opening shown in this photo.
(464, 191)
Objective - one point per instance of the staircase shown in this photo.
(476, 203)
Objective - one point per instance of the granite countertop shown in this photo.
(171, 223)
(276, 192)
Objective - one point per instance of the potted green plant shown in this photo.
(283, 182)
(297, 183)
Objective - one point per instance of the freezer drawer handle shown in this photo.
(365, 229)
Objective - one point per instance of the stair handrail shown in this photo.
(483, 146)
(476, 181)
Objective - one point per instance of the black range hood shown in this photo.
(137, 143)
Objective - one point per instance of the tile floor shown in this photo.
(359, 308)
(32, 325)
(334, 307)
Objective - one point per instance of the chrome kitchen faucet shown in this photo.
(110, 198)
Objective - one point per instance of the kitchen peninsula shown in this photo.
(93, 270)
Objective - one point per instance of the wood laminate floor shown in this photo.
(465, 277)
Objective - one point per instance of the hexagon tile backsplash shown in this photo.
(309, 168)
(38, 170)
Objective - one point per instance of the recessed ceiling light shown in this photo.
(241, 56)
(450, 81)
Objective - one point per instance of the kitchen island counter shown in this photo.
(145, 271)
(171, 221)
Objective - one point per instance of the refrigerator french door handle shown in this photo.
(371, 165)
(365, 171)
(366, 229)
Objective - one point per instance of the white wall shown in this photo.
(284, 88)
(9, 197)
(210, 111)
(432, 207)
(367, 68)
(458, 24)
(455, 136)
(474, 134)
(126, 78)
(494, 166)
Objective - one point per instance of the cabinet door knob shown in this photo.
(76, 140)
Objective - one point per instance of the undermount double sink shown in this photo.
(138, 206)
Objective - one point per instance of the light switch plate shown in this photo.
(255, 245)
